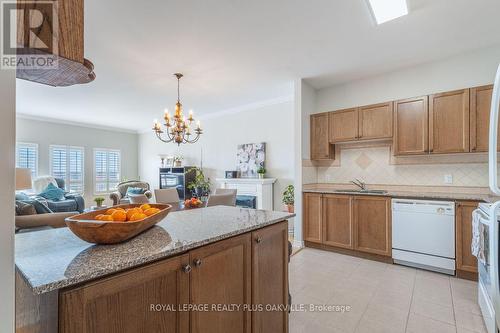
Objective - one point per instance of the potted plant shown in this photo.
(289, 198)
(178, 161)
(200, 186)
(98, 201)
(261, 171)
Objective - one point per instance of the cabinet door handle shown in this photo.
(258, 240)
(187, 269)
(197, 262)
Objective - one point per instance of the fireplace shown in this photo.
(258, 192)
(246, 201)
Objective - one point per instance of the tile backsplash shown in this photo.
(372, 165)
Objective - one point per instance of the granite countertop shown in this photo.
(56, 258)
(410, 194)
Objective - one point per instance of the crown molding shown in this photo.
(74, 123)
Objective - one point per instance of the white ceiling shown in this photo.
(239, 52)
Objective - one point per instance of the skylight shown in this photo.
(387, 10)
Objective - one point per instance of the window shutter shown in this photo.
(27, 157)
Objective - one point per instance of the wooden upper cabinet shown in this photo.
(270, 277)
(221, 275)
(411, 126)
(449, 122)
(343, 125)
(372, 221)
(465, 260)
(480, 107)
(320, 146)
(312, 217)
(337, 221)
(375, 121)
(122, 303)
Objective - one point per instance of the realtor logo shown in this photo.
(29, 34)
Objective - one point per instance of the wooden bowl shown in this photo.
(102, 232)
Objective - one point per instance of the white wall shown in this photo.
(463, 71)
(273, 124)
(7, 170)
(47, 133)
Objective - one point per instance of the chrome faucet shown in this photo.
(359, 184)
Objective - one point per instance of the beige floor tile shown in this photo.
(422, 324)
(470, 321)
(465, 305)
(433, 311)
(386, 315)
(345, 321)
(372, 326)
(428, 275)
(394, 299)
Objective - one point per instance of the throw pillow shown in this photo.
(40, 207)
(135, 190)
(23, 208)
(52, 193)
(22, 196)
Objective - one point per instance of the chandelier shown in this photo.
(178, 129)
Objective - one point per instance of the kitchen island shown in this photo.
(204, 270)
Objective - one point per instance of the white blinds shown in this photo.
(27, 157)
(107, 168)
(68, 163)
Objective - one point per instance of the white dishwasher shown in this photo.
(423, 234)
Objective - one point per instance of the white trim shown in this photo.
(68, 178)
(74, 123)
(247, 180)
(107, 150)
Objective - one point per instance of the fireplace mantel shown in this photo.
(262, 189)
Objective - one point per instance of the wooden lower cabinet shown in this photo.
(337, 222)
(221, 275)
(372, 221)
(359, 223)
(122, 303)
(312, 217)
(269, 269)
(465, 261)
(245, 270)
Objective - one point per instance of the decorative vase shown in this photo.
(291, 208)
(178, 164)
(99, 204)
(199, 192)
(261, 175)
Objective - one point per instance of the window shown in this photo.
(107, 164)
(67, 163)
(27, 157)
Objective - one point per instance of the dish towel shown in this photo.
(477, 244)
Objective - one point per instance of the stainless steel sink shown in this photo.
(362, 191)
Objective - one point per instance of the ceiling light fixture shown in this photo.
(178, 129)
(387, 10)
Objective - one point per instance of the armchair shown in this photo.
(119, 197)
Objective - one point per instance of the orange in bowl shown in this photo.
(99, 217)
(132, 211)
(151, 211)
(119, 215)
(138, 217)
(107, 218)
(110, 211)
(145, 207)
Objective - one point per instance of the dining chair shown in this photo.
(167, 196)
(221, 199)
(138, 199)
(226, 191)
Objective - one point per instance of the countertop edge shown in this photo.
(49, 287)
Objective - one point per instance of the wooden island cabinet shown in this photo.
(209, 289)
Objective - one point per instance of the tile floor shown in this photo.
(383, 298)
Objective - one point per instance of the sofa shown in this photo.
(120, 197)
(71, 202)
(36, 221)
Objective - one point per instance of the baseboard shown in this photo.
(298, 244)
(466, 275)
(354, 253)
